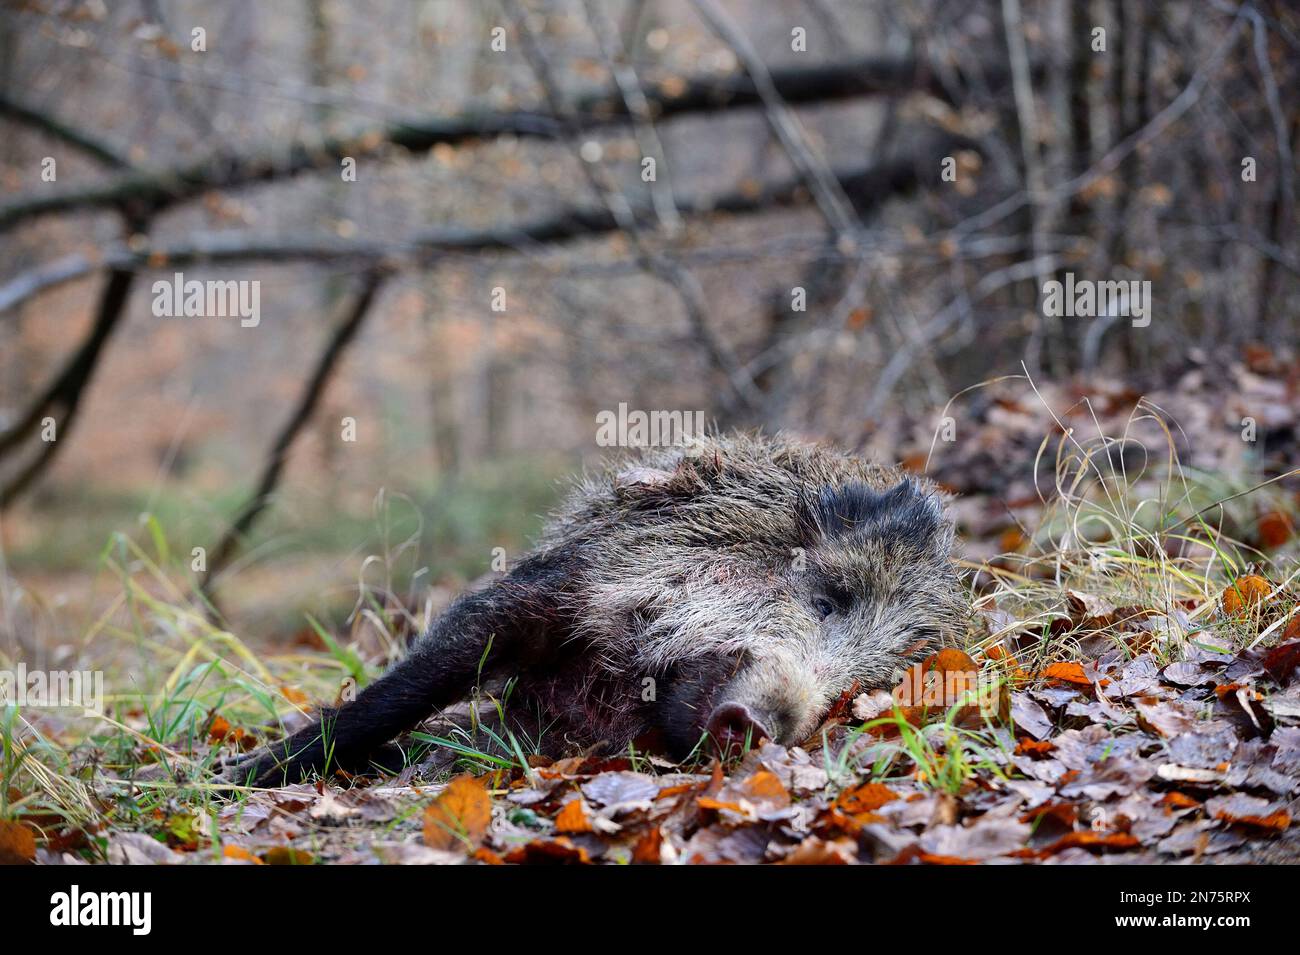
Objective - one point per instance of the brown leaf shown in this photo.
(1063, 812)
(557, 851)
(459, 817)
(17, 843)
(1029, 716)
(1281, 661)
(649, 848)
(286, 855)
(1275, 529)
(1245, 591)
(840, 709)
(817, 851)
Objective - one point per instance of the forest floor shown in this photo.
(1130, 689)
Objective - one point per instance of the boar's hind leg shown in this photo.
(519, 615)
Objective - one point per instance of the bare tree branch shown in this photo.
(901, 360)
(52, 126)
(638, 106)
(339, 340)
(1027, 117)
(866, 187)
(151, 190)
(785, 125)
(741, 388)
(63, 397)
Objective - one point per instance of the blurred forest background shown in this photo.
(910, 173)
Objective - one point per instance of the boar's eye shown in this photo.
(831, 600)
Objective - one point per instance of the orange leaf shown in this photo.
(294, 695)
(708, 802)
(941, 681)
(1177, 800)
(1067, 673)
(649, 848)
(669, 791)
(573, 817)
(1063, 812)
(1093, 840)
(240, 853)
(1034, 747)
(914, 853)
(765, 785)
(1277, 820)
(865, 798)
(460, 815)
(1011, 540)
(219, 729)
(949, 660)
(17, 843)
(1244, 592)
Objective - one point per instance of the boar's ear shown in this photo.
(903, 515)
(637, 482)
(640, 476)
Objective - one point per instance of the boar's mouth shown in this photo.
(691, 693)
(699, 711)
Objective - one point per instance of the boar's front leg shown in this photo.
(519, 617)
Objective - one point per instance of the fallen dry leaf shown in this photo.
(1249, 811)
(287, 855)
(239, 854)
(1246, 591)
(573, 817)
(867, 797)
(459, 817)
(549, 851)
(1067, 673)
(1092, 840)
(17, 843)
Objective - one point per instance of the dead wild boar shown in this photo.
(730, 589)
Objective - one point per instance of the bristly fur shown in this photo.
(764, 572)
